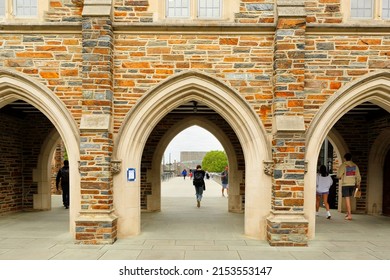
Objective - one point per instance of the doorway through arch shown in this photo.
(351, 132)
(38, 132)
(160, 102)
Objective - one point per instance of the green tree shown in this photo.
(214, 161)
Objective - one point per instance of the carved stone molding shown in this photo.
(268, 167)
(116, 166)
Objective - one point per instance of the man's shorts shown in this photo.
(347, 191)
(322, 193)
(225, 186)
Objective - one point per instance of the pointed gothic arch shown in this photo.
(374, 88)
(236, 176)
(227, 103)
(17, 86)
(376, 161)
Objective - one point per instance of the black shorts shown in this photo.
(347, 191)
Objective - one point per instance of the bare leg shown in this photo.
(325, 197)
(326, 202)
(348, 204)
(318, 202)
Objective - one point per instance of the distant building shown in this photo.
(191, 159)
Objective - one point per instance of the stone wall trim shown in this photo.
(95, 122)
(289, 124)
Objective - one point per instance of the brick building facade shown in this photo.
(113, 80)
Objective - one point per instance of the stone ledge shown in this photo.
(56, 27)
(89, 215)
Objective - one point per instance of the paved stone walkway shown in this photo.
(181, 231)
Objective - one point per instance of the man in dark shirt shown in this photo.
(63, 177)
(199, 184)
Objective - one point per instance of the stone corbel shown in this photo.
(268, 167)
(116, 166)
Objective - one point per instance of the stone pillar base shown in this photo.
(42, 201)
(285, 229)
(93, 228)
(235, 203)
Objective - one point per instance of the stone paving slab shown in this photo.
(181, 231)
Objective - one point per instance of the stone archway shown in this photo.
(338, 144)
(228, 104)
(340, 148)
(42, 174)
(372, 88)
(236, 176)
(17, 86)
(376, 162)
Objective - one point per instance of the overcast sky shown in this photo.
(194, 139)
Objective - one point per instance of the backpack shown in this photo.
(198, 177)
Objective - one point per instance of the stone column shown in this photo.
(96, 224)
(286, 226)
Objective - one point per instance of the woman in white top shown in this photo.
(324, 182)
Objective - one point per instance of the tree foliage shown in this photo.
(214, 161)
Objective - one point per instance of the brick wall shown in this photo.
(19, 151)
(243, 62)
(64, 11)
(323, 11)
(54, 60)
(56, 164)
(256, 11)
(333, 61)
(132, 11)
(11, 150)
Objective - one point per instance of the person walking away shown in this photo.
(199, 184)
(225, 181)
(350, 179)
(324, 182)
(184, 173)
(63, 178)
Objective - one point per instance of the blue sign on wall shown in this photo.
(130, 174)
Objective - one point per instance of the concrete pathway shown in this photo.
(181, 231)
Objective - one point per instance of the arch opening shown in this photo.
(346, 119)
(49, 120)
(164, 99)
(222, 131)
